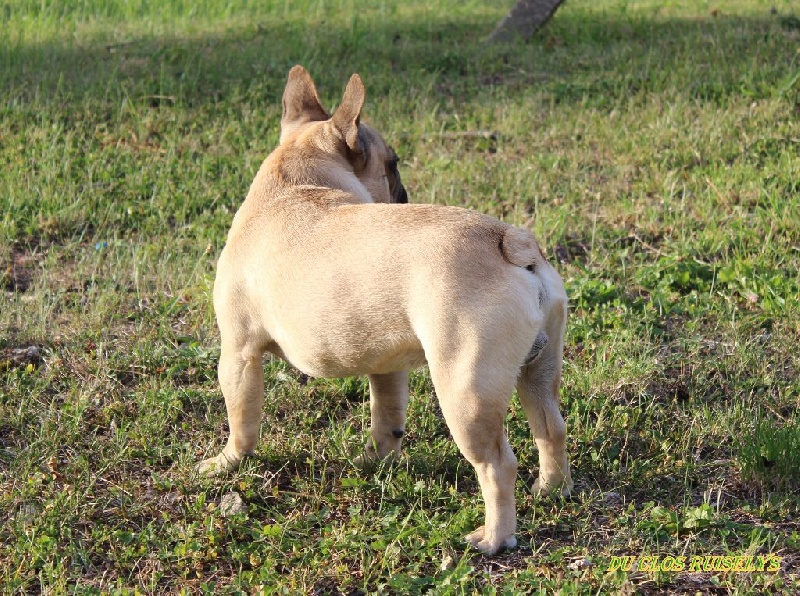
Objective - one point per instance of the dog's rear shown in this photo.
(504, 328)
(540, 377)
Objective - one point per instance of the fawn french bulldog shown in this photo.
(325, 269)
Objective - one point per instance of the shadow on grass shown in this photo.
(585, 56)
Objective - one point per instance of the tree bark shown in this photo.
(524, 19)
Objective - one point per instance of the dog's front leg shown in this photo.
(388, 402)
(241, 376)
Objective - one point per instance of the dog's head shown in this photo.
(342, 136)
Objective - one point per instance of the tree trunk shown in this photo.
(524, 20)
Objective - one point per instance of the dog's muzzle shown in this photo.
(399, 194)
(396, 188)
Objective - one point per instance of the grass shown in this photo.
(653, 147)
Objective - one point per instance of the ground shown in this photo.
(653, 147)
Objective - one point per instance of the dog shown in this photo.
(325, 268)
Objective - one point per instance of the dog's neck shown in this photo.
(340, 178)
(286, 168)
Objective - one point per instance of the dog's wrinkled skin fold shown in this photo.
(322, 269)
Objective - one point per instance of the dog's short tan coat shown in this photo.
(324, 269)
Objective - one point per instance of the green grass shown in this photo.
(653, 147)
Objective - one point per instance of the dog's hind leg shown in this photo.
(538, 386)
(475, 412)
(241, 375)
(388, 402)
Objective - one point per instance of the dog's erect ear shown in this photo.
(300, 101)
(347, 115)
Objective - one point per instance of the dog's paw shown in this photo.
(487, 544)
(216, 466)
(364, 461)
(543, 487)
(369, 459)
(375, 452)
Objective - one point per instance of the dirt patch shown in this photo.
(20, 357)
(16, 272)
(675, 384)
(572, 249)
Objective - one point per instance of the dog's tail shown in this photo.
(520, 248)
